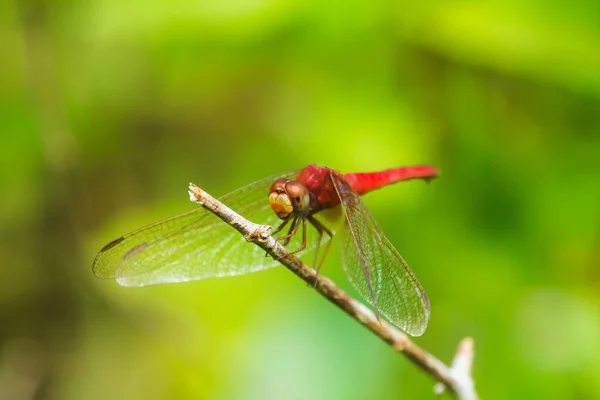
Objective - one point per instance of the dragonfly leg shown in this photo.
(293, 229)
(282, 225)
(321, 229)
(303, 246)
(285, 240)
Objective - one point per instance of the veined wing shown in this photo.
(376, 269)
(194, 245)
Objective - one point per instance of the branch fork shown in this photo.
(456, 379)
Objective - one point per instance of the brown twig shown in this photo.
(455, 379)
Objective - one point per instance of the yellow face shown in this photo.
(281, 204)
(288, 197)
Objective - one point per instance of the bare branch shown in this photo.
(456, 380)
(461, 371)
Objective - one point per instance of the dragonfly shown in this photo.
(196, 244)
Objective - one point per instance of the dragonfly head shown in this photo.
(289, 197)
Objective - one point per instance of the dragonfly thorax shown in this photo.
(289, 197)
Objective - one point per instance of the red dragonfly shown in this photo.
(196, 245)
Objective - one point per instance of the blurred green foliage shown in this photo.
(109, 108)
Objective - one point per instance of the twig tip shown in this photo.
(195, 193)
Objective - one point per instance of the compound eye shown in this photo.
(278, 186)
(299, 196)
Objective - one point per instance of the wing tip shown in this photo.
(112, 244)
(96, 266)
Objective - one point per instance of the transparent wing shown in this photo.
(376, 269)
(196, 244)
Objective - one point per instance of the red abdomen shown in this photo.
(323, 194)
(365, 182)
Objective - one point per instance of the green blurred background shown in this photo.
(109, 108)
